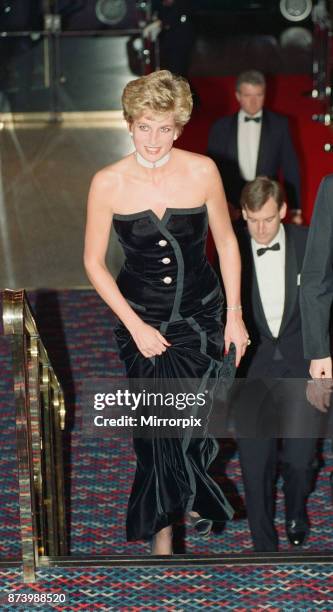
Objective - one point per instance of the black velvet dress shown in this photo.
(168, 281)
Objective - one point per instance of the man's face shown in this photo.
(264, 224)
(251, 98)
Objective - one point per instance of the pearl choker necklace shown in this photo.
(147, 164)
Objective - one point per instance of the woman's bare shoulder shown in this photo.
(111, 176)
(196, 161)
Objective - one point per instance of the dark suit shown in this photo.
(268, 408)
(317, 275)
(276, 154)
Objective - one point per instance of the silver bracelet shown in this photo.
(233, 307)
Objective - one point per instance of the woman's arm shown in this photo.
(99, 219)
(229, 258)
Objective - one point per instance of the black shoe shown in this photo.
(202, 526)
(297, 531)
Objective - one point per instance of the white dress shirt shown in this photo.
(270, 271)
(248, 138)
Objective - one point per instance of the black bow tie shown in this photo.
(256, 119)
(274, 247)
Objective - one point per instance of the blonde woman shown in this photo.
(160, 200)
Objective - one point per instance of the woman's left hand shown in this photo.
(236, 332)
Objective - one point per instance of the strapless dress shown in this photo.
(168, 281)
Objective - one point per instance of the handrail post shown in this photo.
(40, 417)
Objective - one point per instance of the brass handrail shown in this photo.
(40, 420)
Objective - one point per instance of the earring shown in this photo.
(131, 133)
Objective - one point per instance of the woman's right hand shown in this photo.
(148, 340)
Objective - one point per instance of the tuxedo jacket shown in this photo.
(276, 155)
(317, 276)
(268, 356)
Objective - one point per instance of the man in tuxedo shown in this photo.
(272, 256)
(317, 284)
(254, 142)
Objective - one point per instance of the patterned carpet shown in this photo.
(273, 589)
(77, 330)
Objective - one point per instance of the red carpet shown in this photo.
(285, 94)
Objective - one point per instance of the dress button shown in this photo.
(162, 243)
(166, 260)
(167, 280)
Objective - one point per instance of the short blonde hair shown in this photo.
(159, 92)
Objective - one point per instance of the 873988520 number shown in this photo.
(35, 598)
